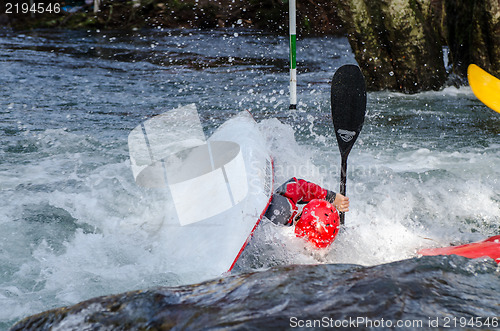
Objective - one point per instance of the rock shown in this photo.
(395, 43)
(270, 299)
(313, 16)
(363, 30)
(317, 18)
(485, 43)
(398, 43)
(473, 35)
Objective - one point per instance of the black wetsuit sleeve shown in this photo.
(330, 196)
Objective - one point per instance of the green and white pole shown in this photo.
(293, 56)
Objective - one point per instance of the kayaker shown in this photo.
(318, 220)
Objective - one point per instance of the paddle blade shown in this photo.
(486, 87)
(348, 105)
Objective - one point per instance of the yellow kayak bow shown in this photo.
(486, 87)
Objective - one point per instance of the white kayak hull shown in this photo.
(211, 232)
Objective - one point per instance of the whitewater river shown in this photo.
(74, 225)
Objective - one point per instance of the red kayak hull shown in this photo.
(489, 247)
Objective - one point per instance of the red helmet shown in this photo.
(319, 223)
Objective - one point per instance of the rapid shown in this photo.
(74, 225)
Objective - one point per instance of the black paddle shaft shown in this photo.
(348, 113)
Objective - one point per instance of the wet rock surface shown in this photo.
(313, 17)
(398, 43)
(473, 34)
(421, 290)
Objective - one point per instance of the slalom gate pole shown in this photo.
(293, 55)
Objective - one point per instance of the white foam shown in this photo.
(401, 202)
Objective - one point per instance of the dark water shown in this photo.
(73, 224)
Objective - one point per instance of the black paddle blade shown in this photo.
(348, 114)
(348, 106)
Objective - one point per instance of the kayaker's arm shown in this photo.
(302, 191)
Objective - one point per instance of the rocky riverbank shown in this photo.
(279, 297)
(398, 43)
(314, 17)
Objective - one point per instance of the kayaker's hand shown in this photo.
(341, 203)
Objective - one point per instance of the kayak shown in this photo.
(220, 187)
(489, 247)
(485, 86)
